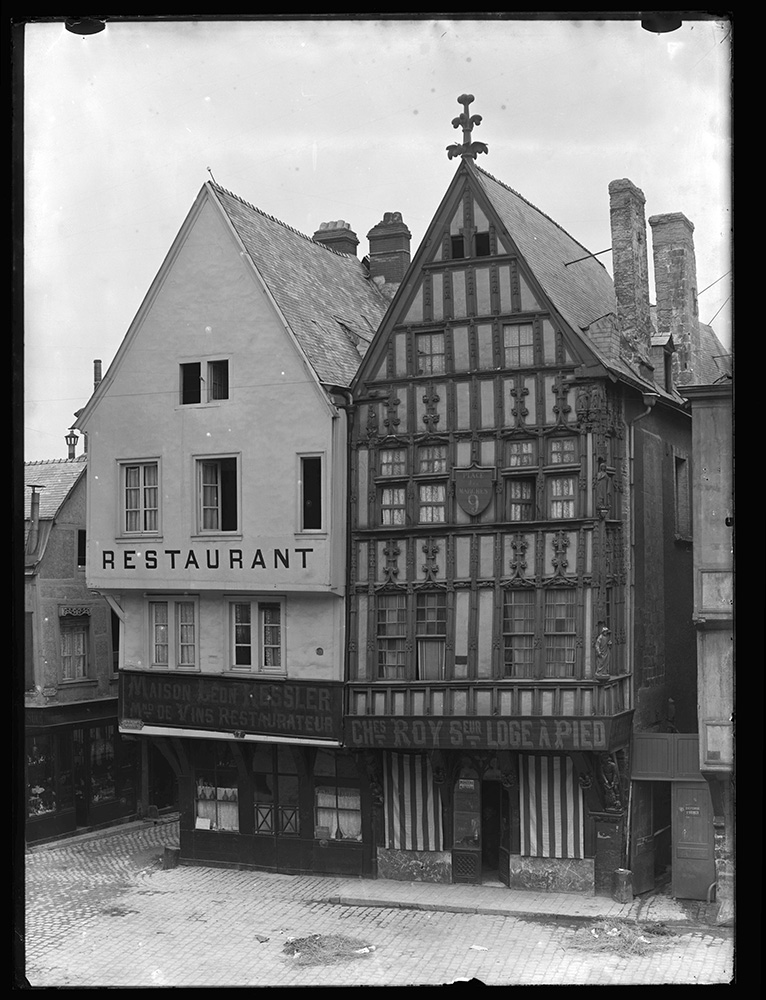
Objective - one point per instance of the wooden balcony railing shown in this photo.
(504, 698)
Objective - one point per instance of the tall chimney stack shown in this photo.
(630, 265)
(675, 280)
(96, 374)
(34, 518)
(337, 236)
(389, 249)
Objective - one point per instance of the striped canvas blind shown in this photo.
(412, 805)
(551, 806)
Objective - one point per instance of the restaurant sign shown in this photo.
(298, 709)
(520, 733)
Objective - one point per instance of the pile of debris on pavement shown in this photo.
(620, 937)
(326, 949)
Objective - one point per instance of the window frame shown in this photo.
(509, 632)
(224, 504)
(682, 497)
(530, 502)
(69, 626)
(432, 368)
(207, 384)
(390, 501)
(336, 786)
(521, 442)
(553, 498)
(430, 633)
(568, 460)
(276, 818)
(258, 607)
(391, 637)
(508, 359)
(392, 468)
(143, 508)
(559, 597)
(432, 465)
(433, 503)
(173, 624)
(311, 493)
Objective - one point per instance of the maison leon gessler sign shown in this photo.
(531, 733)
(206, 559)
(284, 708)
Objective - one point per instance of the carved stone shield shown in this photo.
(474, 488)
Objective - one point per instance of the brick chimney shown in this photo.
(630, 266)
(337, 236)
(34, 520)
(675, 281)
(389, 249)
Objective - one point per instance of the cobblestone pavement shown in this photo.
(104, 912)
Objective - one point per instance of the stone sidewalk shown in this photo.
(492, 900)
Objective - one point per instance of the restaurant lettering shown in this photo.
(194, 559)
(500, 734)
(289, 709)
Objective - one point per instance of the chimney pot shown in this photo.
(337, 236)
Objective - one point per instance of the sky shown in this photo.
(316, 120)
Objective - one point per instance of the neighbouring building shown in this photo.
(217, 449)
(520, 589)
(713, 496)
(78, 772)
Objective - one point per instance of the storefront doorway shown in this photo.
(492, 794)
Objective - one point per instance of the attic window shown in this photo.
(482, 245)
(198, 388)
(457, 247)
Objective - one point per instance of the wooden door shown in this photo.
(642, 836)
(504, 852)
(692, 832)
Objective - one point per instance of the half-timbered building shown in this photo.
(520, 566)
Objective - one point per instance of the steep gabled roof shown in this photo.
(581, 292)
(58, 477)
(327, 298)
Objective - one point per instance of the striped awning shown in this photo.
(552, 807)
(412, 804)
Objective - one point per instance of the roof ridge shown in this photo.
(541, 212)
(54, 461)
(285, 225)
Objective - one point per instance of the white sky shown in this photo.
(313, 121)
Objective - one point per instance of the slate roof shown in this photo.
(58, 476)
(710, 359)
(318, 290)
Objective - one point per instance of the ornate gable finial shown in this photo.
(467, 122)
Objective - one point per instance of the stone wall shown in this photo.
(552, 874)
(415, 866)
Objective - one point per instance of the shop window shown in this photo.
(391, 636)
(393, 505)
(518, 342)
(467, 810)
(275, 791)
(392, 462)
(562, 451)
(204, 382)
(75, 636)
(519, 633)
(257, 633)
(430, 632)
(140, 491)
(520, 499)
(432, 458)
(174, 638)
(216, 789)
(561, 496)
(103, 777)
(432, 503)
(41, 776)
(217, 494)
(430, 352)
(311, 494)
(520, 454)
(337, 803)
(560, 633)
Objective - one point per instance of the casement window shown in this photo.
(560, 633)
(519, 633)
(393, 502)
(216, 790)
(520, 454)
(311, 493)
(74, 632)
(392, 462)
(217, 493)
(683, 509)
(561, 496)
(432, 458)
(518, 342)
(391, 636)
(204, 381)
(174, 634)
(337, 798)
(430, 635)
(256, 630)
(275, 791)
(430, 353)
(140, 485)
(562, 451)
(432, 503)
(520, 499)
